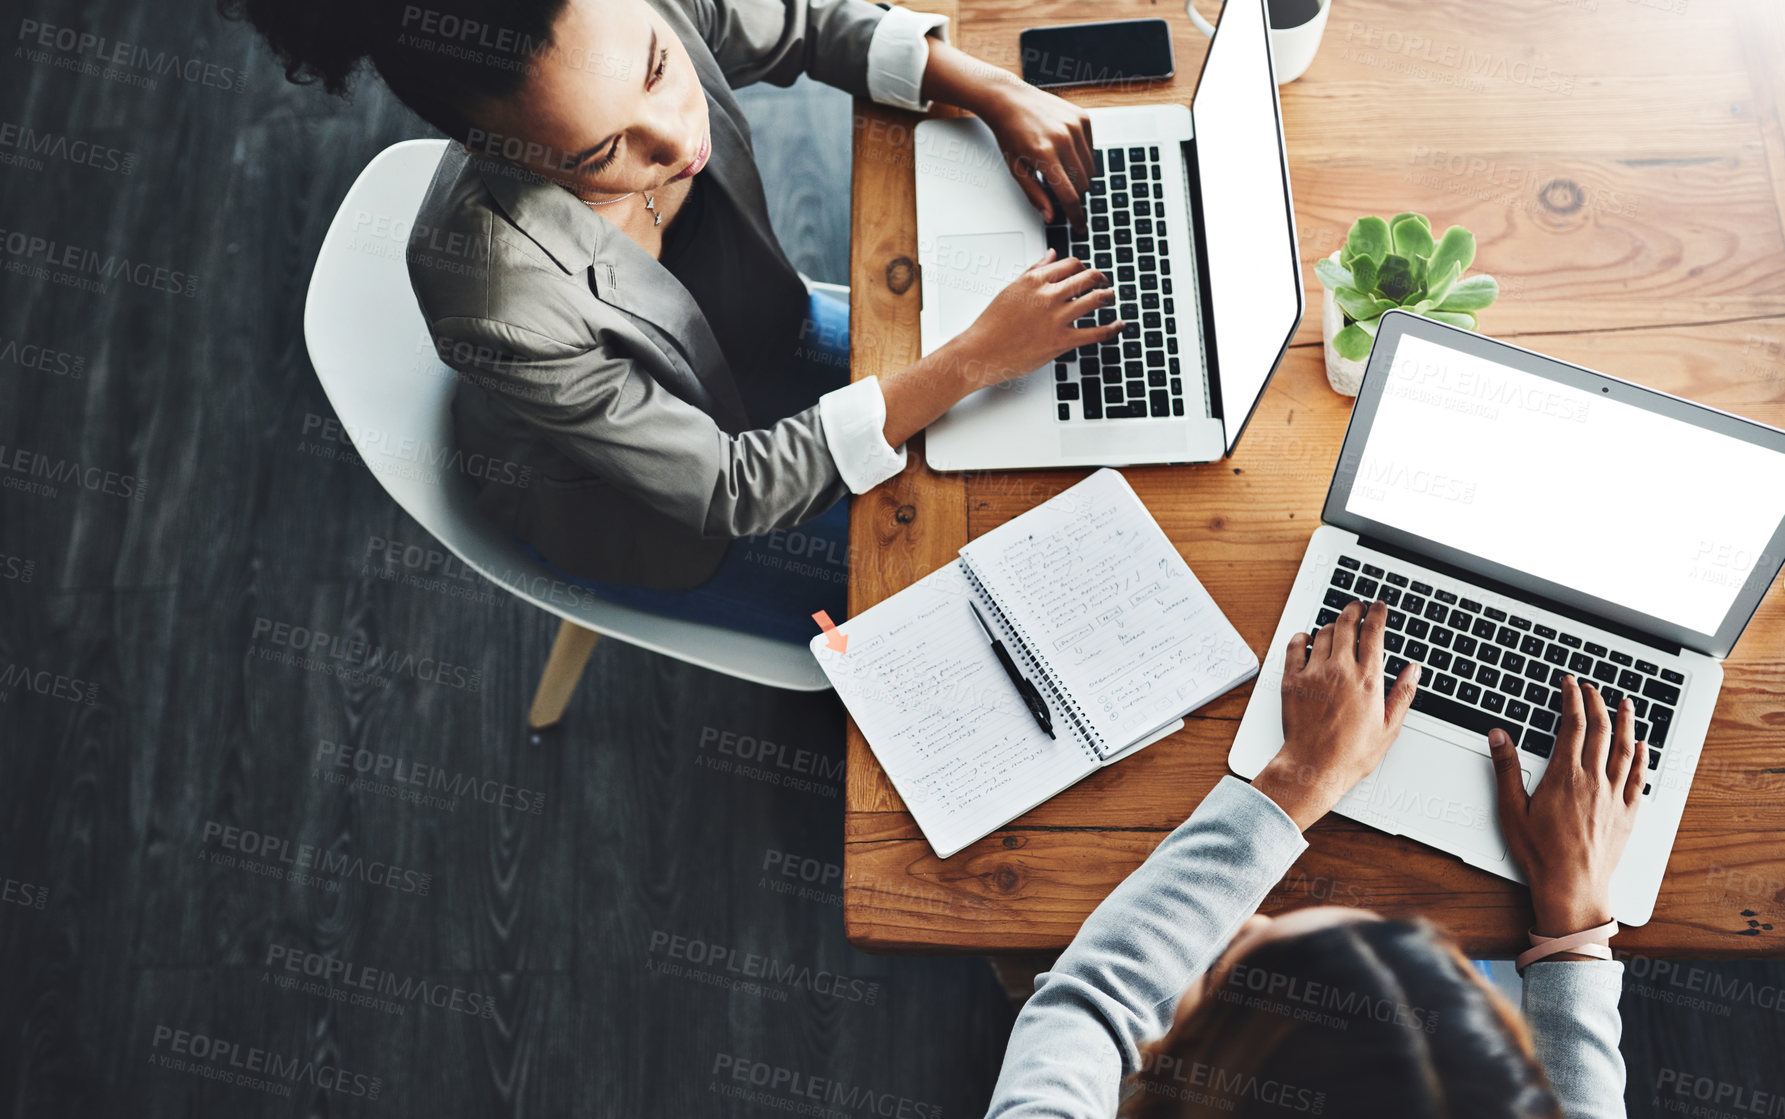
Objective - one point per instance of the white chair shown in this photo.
(370, 346)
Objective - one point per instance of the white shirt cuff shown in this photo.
(854, 418)
(897, 55)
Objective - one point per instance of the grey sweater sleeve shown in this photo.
(1572, 1008)
(1116, 986)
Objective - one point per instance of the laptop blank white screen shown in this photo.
(1248, 229)
(1660, 516)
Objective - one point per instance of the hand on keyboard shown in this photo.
(1046, 141)
(1339, 716)
(1568, 835)
(1030, 322)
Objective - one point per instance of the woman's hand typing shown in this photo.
(1339, 715)
(1568, 835)
(1046, 140)
(1028, 324)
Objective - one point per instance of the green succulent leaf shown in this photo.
(1471, 294)
(1455, 318)
(1395, 279)
(1457, 245)
(1359, 305)
(1335, 275)
(1369, 237)
(1412, 238)
(1438, 289)
(1420, 218)
(1363, 274)
(1353, 343)
(1421, 307)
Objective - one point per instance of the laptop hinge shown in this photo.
(1205, 303)
(1672, 648)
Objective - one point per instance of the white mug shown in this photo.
(1292, 48)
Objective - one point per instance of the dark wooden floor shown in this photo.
(618, 952)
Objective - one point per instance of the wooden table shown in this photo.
(1622, 164)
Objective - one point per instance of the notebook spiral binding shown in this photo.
(1089, 740)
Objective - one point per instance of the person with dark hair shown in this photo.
(594, 256)
(1177, 999)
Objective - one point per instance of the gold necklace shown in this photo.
(650, 204)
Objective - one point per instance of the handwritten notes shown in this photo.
(1102, 613)
(1125, 626)
(944, 719)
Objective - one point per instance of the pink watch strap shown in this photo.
(1587, 942)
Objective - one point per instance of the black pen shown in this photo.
(1031, 695)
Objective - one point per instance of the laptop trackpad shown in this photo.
(968, 269)
(1148, 442)
(1439, 793)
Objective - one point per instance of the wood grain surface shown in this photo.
(1622, 165)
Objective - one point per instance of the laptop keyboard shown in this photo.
(1136, 375)
(1486, 667)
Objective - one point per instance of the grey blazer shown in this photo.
(590, 373)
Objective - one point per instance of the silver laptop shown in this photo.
(1524, 518)
(1189, 215)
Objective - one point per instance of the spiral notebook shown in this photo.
(1097, 608)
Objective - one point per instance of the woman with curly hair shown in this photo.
(594, 256)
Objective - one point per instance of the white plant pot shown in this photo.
(1343, 374)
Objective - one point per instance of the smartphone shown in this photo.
(1113, 52)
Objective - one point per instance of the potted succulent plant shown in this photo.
(1388, 264)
